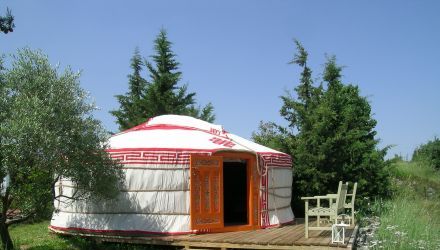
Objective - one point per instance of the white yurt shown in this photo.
(184, 175)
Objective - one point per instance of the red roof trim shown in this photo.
(161, 149)
(187, 149)
(145, 126)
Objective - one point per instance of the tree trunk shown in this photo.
(6, 238)
(4, 232)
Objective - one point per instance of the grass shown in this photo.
(411, 219)
(417, 171)
(36, 236)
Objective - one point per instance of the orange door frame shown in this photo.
(253, 194)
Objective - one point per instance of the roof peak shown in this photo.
(180, 121)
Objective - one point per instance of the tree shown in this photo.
(274, 136)
(7, 22)
(429, 153)
(330, 135)
(132, 108)
(161, 94)
(47, 132)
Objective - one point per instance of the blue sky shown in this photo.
(235, 53)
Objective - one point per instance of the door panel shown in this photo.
(206, 192)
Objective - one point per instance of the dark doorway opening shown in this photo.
(235, 193)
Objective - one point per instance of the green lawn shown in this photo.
(36, 236)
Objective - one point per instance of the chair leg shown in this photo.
(352, 216)
(306, 223)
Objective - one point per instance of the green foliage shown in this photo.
(411, 219)
(161, 94)
(273, 136)
(429, 153)
(330, 136)
(132, 110)
(7, 22)
(418, 171)
(47, 131)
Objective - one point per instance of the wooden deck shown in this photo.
(285, 237)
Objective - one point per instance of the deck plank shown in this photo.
(240, 238)
(285, 237)
(264, 236)
(215, 237)
(289, 236)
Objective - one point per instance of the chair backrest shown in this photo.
(334, 202)
(340, 199)
(353, 194)
(339, 186)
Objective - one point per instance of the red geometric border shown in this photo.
(154, 156)
(182, 156)
(276, 160)
(268, 160)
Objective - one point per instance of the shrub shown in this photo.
(429, 153)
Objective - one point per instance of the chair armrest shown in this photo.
(308, 198)
(324, 197)
(319, 197)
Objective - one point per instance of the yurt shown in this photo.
(184, 175)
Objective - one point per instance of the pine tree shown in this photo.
(7, 22)
(330, 136)
(161, 93)
(132, 105)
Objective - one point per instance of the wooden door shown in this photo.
(206, 192)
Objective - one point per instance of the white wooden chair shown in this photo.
(350, 204)
(335, 206)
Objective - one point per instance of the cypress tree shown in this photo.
(7, 22)
(160, 94)
(330, 136)
(132, 104)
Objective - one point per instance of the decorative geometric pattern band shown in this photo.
(267, 160)
(143, 156)
(275, 160)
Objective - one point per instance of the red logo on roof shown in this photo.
(223, 142)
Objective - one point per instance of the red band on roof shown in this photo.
(161, 149)
(145, 126)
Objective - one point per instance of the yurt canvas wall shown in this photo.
(160, 158)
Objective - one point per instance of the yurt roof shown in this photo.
(177, 132)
